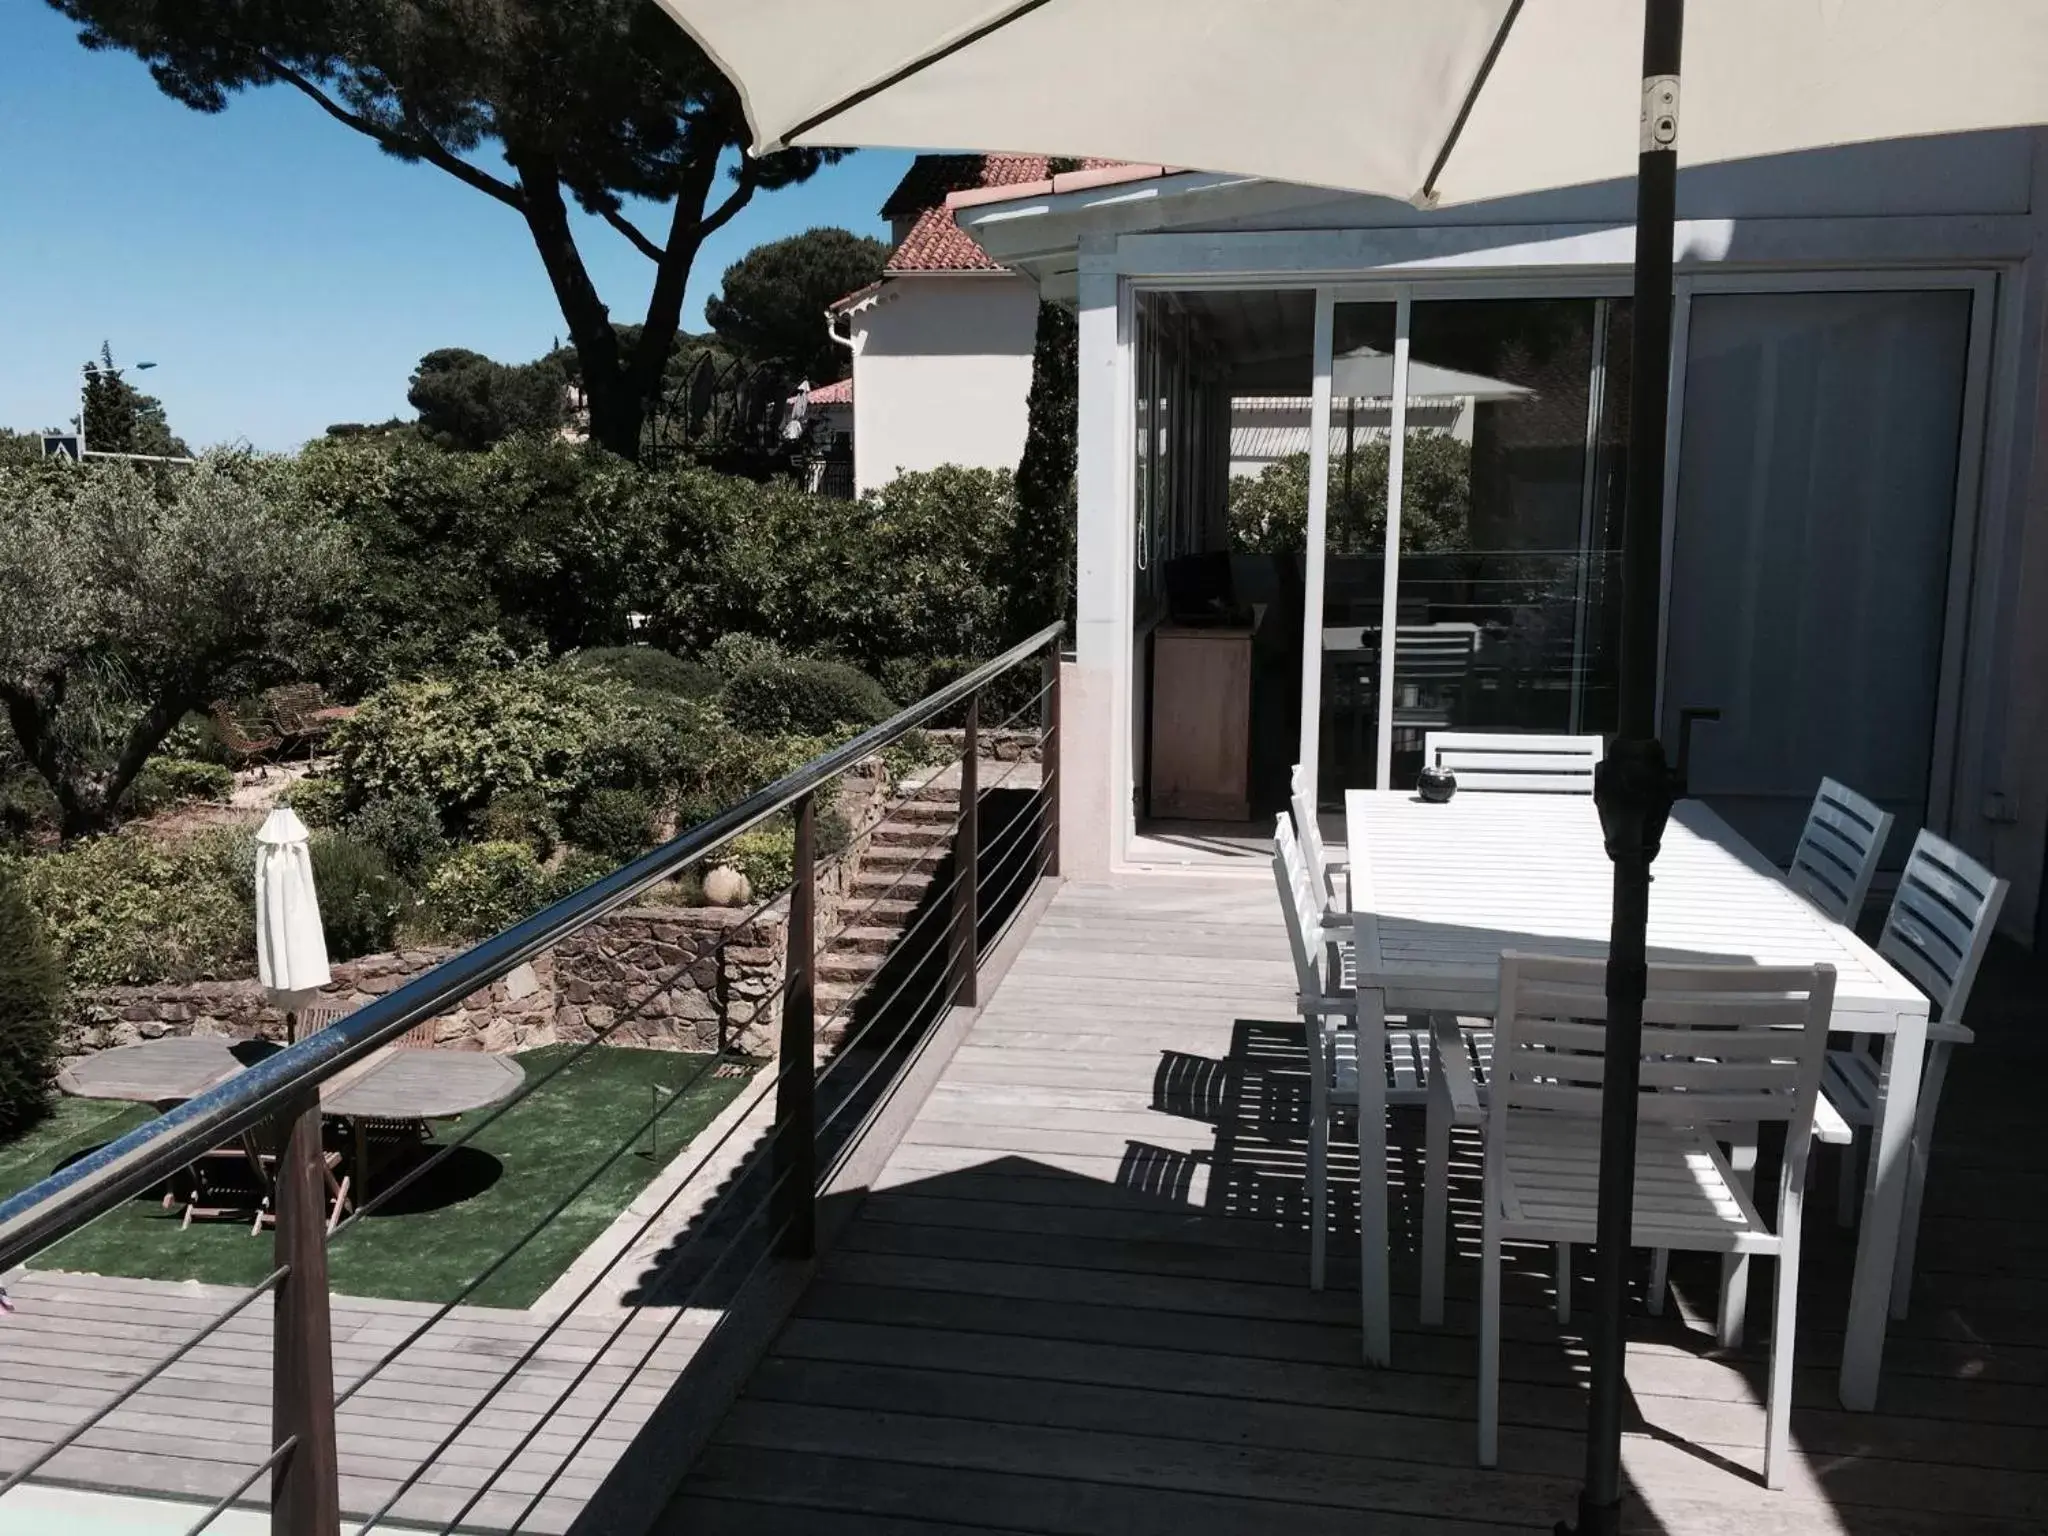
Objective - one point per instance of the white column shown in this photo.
(1390, 584)
(1318, 539)
(1095, 757)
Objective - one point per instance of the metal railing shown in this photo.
(766, 1207)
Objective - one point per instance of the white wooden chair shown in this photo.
(1721, 1044)
(1515, 760)
(1438, 1063)
(1939, 925)
(1329, 876)
(1838, 851)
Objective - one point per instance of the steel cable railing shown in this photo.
(767, 1214)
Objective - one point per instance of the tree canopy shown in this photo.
(467, 401)
(590, 102)
(771, 306)
(1269, 512)
(119, 418)
(135, 596)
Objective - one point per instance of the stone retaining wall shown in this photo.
(686, 978)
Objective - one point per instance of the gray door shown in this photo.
(1816, 501)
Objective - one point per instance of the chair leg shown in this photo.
(1784, 1317)
(1489, 1337)
(1660, 1281)
(1564, 1282)
(1318, 1193)
(1848, 1187)
(1916, 1173)
(1735, 1266)
(1436, 1199)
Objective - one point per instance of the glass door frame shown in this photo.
(1959, 616)
(1403, 296)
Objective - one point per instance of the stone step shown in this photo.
(896, 833)
(849, 964)
(896, 856)
(940, 806)
(893, 911)
(828, 994)
(867, 938)
(890, 886)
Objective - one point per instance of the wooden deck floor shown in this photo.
(1075, 1300)
(200, 1428)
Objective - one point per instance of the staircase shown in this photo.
(903, 855)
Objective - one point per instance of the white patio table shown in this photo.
(1439, 891)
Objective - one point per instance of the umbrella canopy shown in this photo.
(291, 947)
(1431, 100)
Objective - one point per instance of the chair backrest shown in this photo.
(1516, 760)
(1308, 829)
(1940, 922)
(1424, 653)
(1838, 852)
(1722, 1044)
(1299, 907)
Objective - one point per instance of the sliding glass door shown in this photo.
(1810, 551)
(1487, 433)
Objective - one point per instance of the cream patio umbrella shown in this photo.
(291, 945)
(1435, 101)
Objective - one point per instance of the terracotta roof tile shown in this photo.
(934, 243)
(833, 394)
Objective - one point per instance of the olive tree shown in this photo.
(135, 596)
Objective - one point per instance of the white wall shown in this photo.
(941, 374)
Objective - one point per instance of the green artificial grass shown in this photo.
(445, 1229)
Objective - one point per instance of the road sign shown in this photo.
(62, 445)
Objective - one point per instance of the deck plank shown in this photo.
(1075, 1300)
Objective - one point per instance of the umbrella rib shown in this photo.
(1443, 156)
(916, 66)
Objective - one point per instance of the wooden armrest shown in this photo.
(1339, 919)
(1829, 1126)
(1448, 1057)
(1344, 1005)
(1950, 1034)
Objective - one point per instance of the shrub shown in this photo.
(361, 900)
(128, 908)
(615, 824)
(165, 782)
(765, 855)
(521, 816)
(797, 695)
(912, 751)
(462, 741)
(647, 670)
(1002, 698)
(484, 887)
(406, 829)
(578, 868)
(31, 1008)
(734, 653)
(319, 801)
(194, 740)
(27, 806)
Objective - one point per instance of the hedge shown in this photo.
(31, 1009)
(131, 908)
(799, 696)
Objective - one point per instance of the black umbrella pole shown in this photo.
(1634, 788)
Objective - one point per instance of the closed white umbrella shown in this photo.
(291, 946)
(1435, 101)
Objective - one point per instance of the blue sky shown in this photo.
(280, 271)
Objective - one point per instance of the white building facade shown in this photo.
(1855, 508)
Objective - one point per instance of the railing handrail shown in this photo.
(90, 1187)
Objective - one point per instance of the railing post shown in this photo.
(305, 1487)
(794, 1207)
(967, 865)
(1049, 758)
